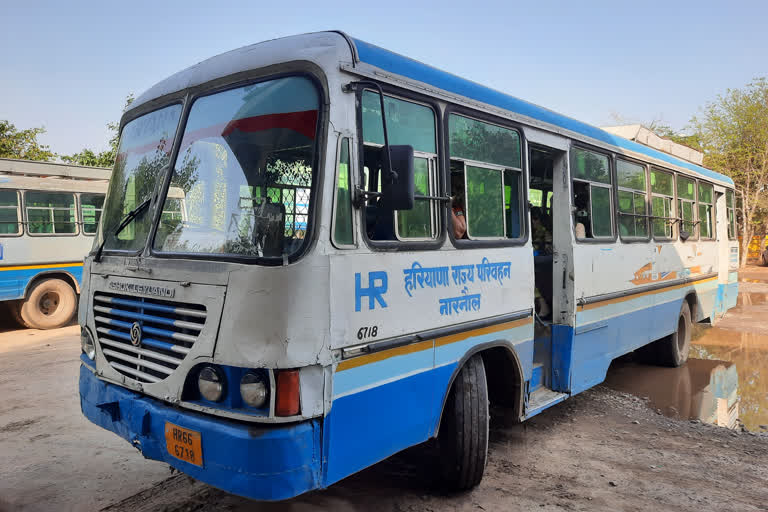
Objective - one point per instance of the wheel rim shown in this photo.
(48, 303)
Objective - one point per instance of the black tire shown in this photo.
(672, 350)
(463, 436)
(51, 303)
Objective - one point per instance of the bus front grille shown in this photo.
(145, 339)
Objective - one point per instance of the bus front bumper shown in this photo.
(263, 462)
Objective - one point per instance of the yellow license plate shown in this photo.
(184, 444)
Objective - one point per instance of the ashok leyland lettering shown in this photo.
(277, 298)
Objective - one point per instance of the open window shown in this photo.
(486, 180)
(592, 195)
(662, 204)
(686, 205)
(343, 233)
(633, 214)
(412, 124)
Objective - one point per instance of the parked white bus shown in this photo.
(49, 214)
(355, 267)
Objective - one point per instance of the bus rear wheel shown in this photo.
(51, 303)
(463, 436)
(673, 350)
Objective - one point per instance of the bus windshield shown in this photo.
(144, 152)
(244, 173)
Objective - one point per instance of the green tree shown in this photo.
(733, 130)
(103, 158)
(22, 144)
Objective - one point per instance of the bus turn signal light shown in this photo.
(287, 399)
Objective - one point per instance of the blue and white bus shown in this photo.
(356, 268)
(49, 214)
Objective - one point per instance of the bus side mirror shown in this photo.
(398, 188)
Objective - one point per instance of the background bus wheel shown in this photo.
(463, 436)
(51, 303)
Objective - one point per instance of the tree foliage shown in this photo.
(22, 144)
(103, 158)
(733, 130)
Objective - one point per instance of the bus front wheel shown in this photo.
(463, 436)
(51, 303)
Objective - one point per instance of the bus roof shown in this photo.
(404, 66)
(10, 166)
(336, 47)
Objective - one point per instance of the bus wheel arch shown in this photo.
(693, 304)
(65, 276)
(464, 426)
(504, 374)
(50, 301)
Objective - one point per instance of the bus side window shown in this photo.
(686, 204)
(486, 179)
(662, 204)
(592, 194)
(50, 213)
(91, 206)
(410, 124)
(633, 218)
(10, 218)
(343, 234)
(731, 214)
(706, 197)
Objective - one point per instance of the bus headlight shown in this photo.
(253, 389)
(211, 383)
(87, 344)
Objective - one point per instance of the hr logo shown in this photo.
(135, 334)
(377, 287)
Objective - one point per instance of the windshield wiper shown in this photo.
(126, 220)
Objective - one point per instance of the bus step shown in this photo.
(537, 377)
(541, 399)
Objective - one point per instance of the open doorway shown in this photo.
(540, 195)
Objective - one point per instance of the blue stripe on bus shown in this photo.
(404, 66)
(138, 304)
(142, 316)
(13, 283)
(145, 341)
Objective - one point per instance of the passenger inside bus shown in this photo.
(458, 209)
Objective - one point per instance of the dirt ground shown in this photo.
(601, 450)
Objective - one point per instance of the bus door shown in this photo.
(551, 240)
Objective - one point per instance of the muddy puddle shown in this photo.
(725, 379)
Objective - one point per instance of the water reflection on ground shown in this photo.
(705, 390)
(748, 351)
(726, 376)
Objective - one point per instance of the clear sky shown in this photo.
(68, 66)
